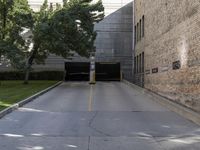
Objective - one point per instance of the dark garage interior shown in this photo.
(77, 71)
(107, 71)
(80, 71)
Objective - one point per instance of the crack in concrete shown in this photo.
(97, 130)
(89, 139)
(159, 143)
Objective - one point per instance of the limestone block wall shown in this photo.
(139, 43)
(171, 44)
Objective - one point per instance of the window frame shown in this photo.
(143, 26)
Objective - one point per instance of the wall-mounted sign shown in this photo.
(164, 68)
(147, 71)
(155, 70)
(176, 65)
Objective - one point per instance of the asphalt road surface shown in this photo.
(106, 116)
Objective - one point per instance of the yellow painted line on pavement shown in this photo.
(90, 98)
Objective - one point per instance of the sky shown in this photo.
(41, 1)
(35, 4)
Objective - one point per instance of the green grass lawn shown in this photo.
(14, 91)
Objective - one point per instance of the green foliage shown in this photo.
(12, 92)
(72, 28)
(63, 31)
(41, 75)
(68, 30)
(15, 16)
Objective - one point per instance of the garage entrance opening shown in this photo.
(108, 71)
(80, 71)
(77, 71)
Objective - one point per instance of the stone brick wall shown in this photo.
(139, 43)
(172, 34)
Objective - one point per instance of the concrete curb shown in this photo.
(27, 100)
(177, 108)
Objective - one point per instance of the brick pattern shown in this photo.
(172, 33)
(140, 43)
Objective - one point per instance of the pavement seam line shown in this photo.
(90, 98)
(89, 140)
(95, 129)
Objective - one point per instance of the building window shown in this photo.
(137, 31)
(143, 26)
(140, 24)
(134, 64)
(135, 37)
(142, 62)
(137, 65)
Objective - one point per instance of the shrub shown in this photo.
(41, 75)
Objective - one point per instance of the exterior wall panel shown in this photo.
(115, 35)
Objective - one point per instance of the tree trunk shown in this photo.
(0, 64)
(29, 64)
(26, 80)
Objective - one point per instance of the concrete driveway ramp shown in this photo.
(105, 116)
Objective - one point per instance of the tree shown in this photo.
(37, 53)
(64, 31)
(15, 17)
(73, 27)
